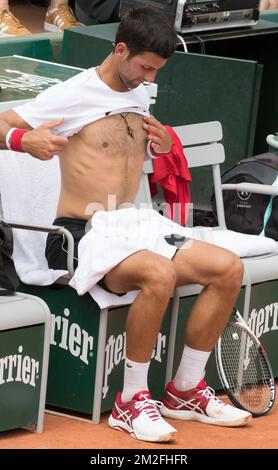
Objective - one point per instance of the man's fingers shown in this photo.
(154, 130)
(59, 140)
(47, 156)
(151, 120)
(52, 124)
(154, 138)
(159, 137)
(55, 148)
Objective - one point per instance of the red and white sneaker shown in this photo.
(201, 404)
(141, 419)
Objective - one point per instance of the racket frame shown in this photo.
(240, 322)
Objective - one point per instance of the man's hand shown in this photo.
(41, 143)
(160, 139)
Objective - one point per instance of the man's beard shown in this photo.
(129, 84)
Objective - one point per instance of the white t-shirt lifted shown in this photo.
(82, 99)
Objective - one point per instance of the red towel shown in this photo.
(172, 174)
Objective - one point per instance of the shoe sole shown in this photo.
(193, 416)
(55, 29)
(121, 426)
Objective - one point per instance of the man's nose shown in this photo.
(149, 76)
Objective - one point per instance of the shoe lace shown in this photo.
(209, 393)
(67, 13)
(149, 407)
(12, 20)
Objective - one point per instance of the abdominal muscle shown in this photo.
(101, 166)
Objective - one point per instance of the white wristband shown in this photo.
(8, 137)
(149, 151)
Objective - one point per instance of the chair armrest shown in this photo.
(252, 188)
(49, 229)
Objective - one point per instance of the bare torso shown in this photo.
(102, 162)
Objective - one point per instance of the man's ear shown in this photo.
(121, 50)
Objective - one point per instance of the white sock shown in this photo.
(55, 4)
(51, 10)
(135, 378)
(191, 369)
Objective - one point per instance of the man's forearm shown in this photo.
(39, 142)
(9, 119)
(4, 129)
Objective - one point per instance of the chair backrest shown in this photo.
(202, 148)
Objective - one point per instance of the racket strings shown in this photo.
(245, 368)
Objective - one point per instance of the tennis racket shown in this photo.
(244, 369)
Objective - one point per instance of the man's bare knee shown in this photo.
(232, 270)
(160, 279)
(236, 272)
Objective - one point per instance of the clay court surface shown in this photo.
(65, 433)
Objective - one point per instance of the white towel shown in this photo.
(115, 235)
(29, 193)
(242, 244)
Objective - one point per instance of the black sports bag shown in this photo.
(252, 213)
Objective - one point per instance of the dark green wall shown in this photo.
(34, 46)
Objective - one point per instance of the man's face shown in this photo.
(132, 71)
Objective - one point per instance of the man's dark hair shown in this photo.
(146, 29)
